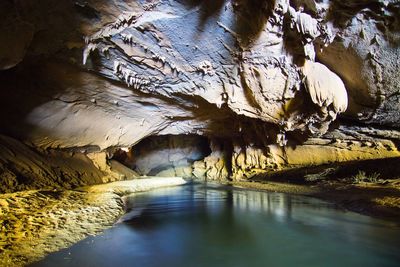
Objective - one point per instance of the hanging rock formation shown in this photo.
(272, 84)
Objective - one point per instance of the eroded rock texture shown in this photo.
(270, 84)
(23, 167)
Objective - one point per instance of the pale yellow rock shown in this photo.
(199, 169)
(137, 185)
(115, 171)
(313, 155)
(41, 222)
(324, 86)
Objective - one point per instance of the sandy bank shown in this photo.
(37, 222)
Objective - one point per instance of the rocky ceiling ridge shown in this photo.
(258, 78)
(191, 67)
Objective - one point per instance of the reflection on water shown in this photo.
(198, 225)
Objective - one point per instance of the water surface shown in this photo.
(200, 225)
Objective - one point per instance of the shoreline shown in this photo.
(35, 223)
(378, 201)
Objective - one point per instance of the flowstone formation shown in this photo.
(251, 73)
(270, 84)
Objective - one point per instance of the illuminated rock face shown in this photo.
(264, 76)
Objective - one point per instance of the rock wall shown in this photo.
(165, 155)
(24, 168)
(282, 83)
(365, 54)
(223, 159)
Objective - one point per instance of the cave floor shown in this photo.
(37, 222)
(372, 199)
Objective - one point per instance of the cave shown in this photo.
(199, 133)
(166, 155)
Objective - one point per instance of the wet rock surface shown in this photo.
(37, 222)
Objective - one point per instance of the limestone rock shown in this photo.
(365, 55)
(326, 90)
(325, 87)
(166, 155)
(22, 167)
(263, 76)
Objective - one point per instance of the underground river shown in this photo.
(211, 225)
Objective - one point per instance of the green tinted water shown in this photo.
(199, 225)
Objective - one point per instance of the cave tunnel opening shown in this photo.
(165, 155)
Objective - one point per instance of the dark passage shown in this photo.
(165, 155)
